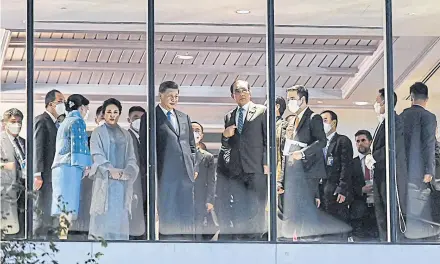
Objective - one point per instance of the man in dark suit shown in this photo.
(13, 175)
(419, 130)
(176, 151)
(376, 161)
(245, 137)
(362, 216)
(45, 133)
(139, 205)
(204, 187)
(338, 155)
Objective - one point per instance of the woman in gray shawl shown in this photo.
(114, 171)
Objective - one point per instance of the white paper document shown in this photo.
(289, 146)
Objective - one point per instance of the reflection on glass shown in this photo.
(13, 176)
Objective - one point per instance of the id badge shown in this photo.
(330, 161)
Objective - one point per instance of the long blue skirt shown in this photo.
(66, 185)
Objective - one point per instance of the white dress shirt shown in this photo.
(52, 117)
(245, 111)
(329, 138)
(173, 117)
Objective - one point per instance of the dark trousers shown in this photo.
(42, 224)
(380, 206)
(365, 228)
(331, 206)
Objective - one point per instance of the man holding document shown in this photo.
(303, 157)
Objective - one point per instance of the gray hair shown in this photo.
(10, 113)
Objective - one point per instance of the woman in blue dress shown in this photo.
(72, 162)
(113, 172)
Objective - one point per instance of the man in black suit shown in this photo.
(245, 137)
(376, 161)
(139, 205)
(338, 155)
(362, 216)
(204, 187)
(45, 133)
(176, 151)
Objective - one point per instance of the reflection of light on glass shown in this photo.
(185, 57)
(320, 102)
(361, 103)
(242, 12)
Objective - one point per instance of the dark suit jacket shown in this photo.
(311, 132)
(358, 204)
(204, 186)
(248, 149)
(141, 164)
(379, 154)
(419, 131)
(339, 166)
(45, 134)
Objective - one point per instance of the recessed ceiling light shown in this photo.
(185, 57)
(320, 102)
(63, 8)
(361, 103)
(411, 14)
(242, 12)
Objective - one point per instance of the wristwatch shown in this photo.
(2, 166)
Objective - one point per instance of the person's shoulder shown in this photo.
(206, 153)
(343, 138)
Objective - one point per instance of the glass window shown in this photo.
(90, 76)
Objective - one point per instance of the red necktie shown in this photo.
(367, 175)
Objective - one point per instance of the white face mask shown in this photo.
(86, 115)
(327, 128)
(60, 109)
(14, 128)
(136, 125)
(197, 137)
(381, 117)
(102, 122)
(293, 106)
(377, 108)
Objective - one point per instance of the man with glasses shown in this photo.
(245, 136)
(45, 133)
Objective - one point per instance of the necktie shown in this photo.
(169, 116)
(240, 120)
(17, 143)
(367, 175)
(296, 123)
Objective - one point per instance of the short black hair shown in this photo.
(333, 115)
(75, 101)
(419, 91)
(195, 122)
(234, 84)
(382, 95)
(50, 97)
(112, 101)
(364, 133)
(136, 109)
(301, 90)
(99, 111)
(163, 87)
(282, 103)
(12, 112)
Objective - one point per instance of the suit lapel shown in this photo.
(250, 113)
(332, 144)
(305, 116)
(377, 133)
(164, 118)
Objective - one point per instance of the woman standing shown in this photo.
(114, 171)
(72, 162)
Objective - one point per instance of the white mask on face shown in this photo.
(102, 122)
(136, 125)
(14, 128)
(197, 137)
(327, 128)
(86, 115)
(377, 108)
(293, 106)
(60, 109)
(381, 117)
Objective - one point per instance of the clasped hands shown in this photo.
(370, 161)
(117, 174)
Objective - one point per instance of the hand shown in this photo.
(209, 207)
(196, 174)
(367, 188)
(340, 198)
(86, 172)
(317, 202)
(370, 161)
(38, 182)
(297, 155)
(280, 190)
(9, 166)
(266, 169)
(427, 178)
(229, 131)
(115, 174)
